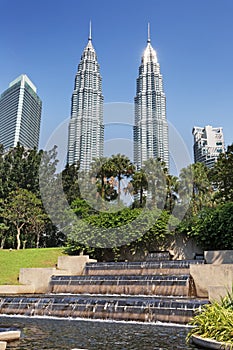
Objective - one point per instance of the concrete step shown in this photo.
(174, 285)
(169, 267)
(128, 308)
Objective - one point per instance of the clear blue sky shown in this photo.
(193, 39)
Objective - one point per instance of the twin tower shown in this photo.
(86, 127)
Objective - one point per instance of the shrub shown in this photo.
(215, 321)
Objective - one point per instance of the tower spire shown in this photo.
(90, 38)
(148, 29)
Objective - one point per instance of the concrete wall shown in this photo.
(180, 246)
(183, 247)
(37, 277)
(16, 289)
(36, 280)
(3, 345)
(212, 281)
(74, 264)
(219, 257)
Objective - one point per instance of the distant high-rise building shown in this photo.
(20, 114)
(86, 129)
(208, 144)
(151, 128)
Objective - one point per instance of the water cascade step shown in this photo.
(145, 309)
(175, 285)
(154, 290)
(169, 267)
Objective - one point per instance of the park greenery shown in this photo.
(118, 209)
(214, 321)
(11, 261)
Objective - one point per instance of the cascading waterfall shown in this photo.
(147, 291)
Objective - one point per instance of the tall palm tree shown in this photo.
(120, 166)
(195, 187)
(172, 192)
(156, 172)
(99, 171)
(139, 185)
(100, 174)
(221, 175)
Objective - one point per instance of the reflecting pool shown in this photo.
(65, 334)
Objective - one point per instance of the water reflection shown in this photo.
(56, 334)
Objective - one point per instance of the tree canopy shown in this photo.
(41, 207)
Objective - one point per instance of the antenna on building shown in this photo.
(90, 38)
(148, 38)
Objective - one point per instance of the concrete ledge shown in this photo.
(3, 345)
(16, 289)
(218, 257)
(208, 343)
(73, 264)
(37, 277)
(216, 293)
(205, 276)
(9, 335)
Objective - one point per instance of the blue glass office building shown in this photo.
(20, 114)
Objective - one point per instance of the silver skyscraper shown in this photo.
(86, 129)
(151, 128)
(208, 144)
(20, 114)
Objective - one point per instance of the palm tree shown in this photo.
(221, 175)
(70, 177)
(172, 192)
(139, 185)
(156, 171)
(195, 187)
(99, 171)
(120, 166)
(101, 176)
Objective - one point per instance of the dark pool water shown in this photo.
(55, 334)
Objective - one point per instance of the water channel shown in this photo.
(67, 334)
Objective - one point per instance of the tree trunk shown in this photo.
(18, 238)
(37, 239)
(102, 192)
(141, 196)
(3, 242)
(119, 189)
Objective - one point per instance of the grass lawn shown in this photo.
(12, 260)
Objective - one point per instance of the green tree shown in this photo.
(211, 227)
(3, 232)
(51, 188)
(156, 173)
(172, 189)
(22, 208)
(115, 235)
(19, 169)
(102, 232)
(195, 190)
(101, 171)
(37, 226)
(222, 176)
(139, 185)
(82, 209)
(120, 167)
(70, 176)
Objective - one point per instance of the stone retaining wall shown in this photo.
(212, 281)
(36, 280)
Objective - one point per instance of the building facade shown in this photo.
(208, 144)
(86, 129)
(150, 126)
(20, 114)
